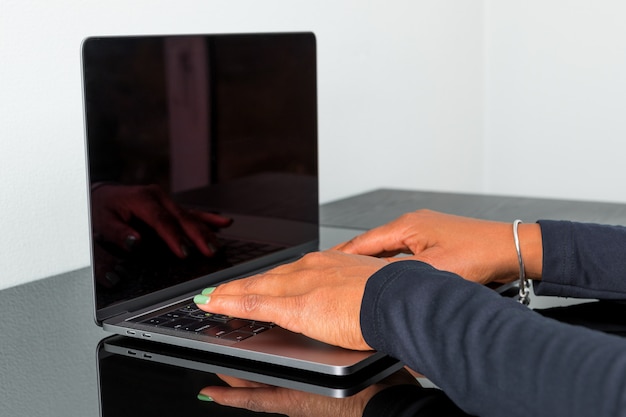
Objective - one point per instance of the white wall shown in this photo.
(498, 96)
(400, 100)
(556, 98)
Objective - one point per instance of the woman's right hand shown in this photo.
(478, 250)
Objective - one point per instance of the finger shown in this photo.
(383, 241)
(198, 227)
(194, 230)
(121, 234)
(213, 219)
(200, 235)
(254, 399)
(170, 232)
(111, 226)
(164, 224)
(280, 310)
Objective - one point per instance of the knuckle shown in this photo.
(312, 258)
(249, 285)
(408, 216)
(354, 241)
(253, 403)
(250, 303)
(420, 213)
(414, 217)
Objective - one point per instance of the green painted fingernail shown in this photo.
(208, 291)
(203, 397)
(201, 299)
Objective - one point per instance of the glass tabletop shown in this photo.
(52, 363)
(56, 361)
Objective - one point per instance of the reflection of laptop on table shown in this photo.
(138, 352)
(220, 123)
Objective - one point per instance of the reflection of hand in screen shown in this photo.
(116, 207)
(268, 399)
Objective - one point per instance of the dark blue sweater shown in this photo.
(495, 357)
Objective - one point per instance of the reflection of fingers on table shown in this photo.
(112, 279)
(253, 399)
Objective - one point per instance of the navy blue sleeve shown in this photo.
(489, 354)
(583, 260)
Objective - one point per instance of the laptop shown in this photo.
(183, 132)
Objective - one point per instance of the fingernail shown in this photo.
(203, 397)
(130, 241)
(201, 299)
(112, 278)
(208, 291)
(212, 247)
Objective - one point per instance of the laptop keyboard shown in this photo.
(189, 318)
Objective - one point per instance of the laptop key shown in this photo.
(217, 331)
(178, 324)
(222, 318)
(175, 315)
(256, 328)
(223, 329)
(197, 326)
(210, 316)
(237, 323)
(155, 321)
(189, 308)
(237, 336)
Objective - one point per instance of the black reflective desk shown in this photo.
(48, 356)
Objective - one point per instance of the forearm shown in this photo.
(491, 355)
(583, 260)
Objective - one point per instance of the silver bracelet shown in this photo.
(524, 285)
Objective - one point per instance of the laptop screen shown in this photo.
(202, 155)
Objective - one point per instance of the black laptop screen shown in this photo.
(185, 134)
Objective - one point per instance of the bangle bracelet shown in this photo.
(524, 286)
